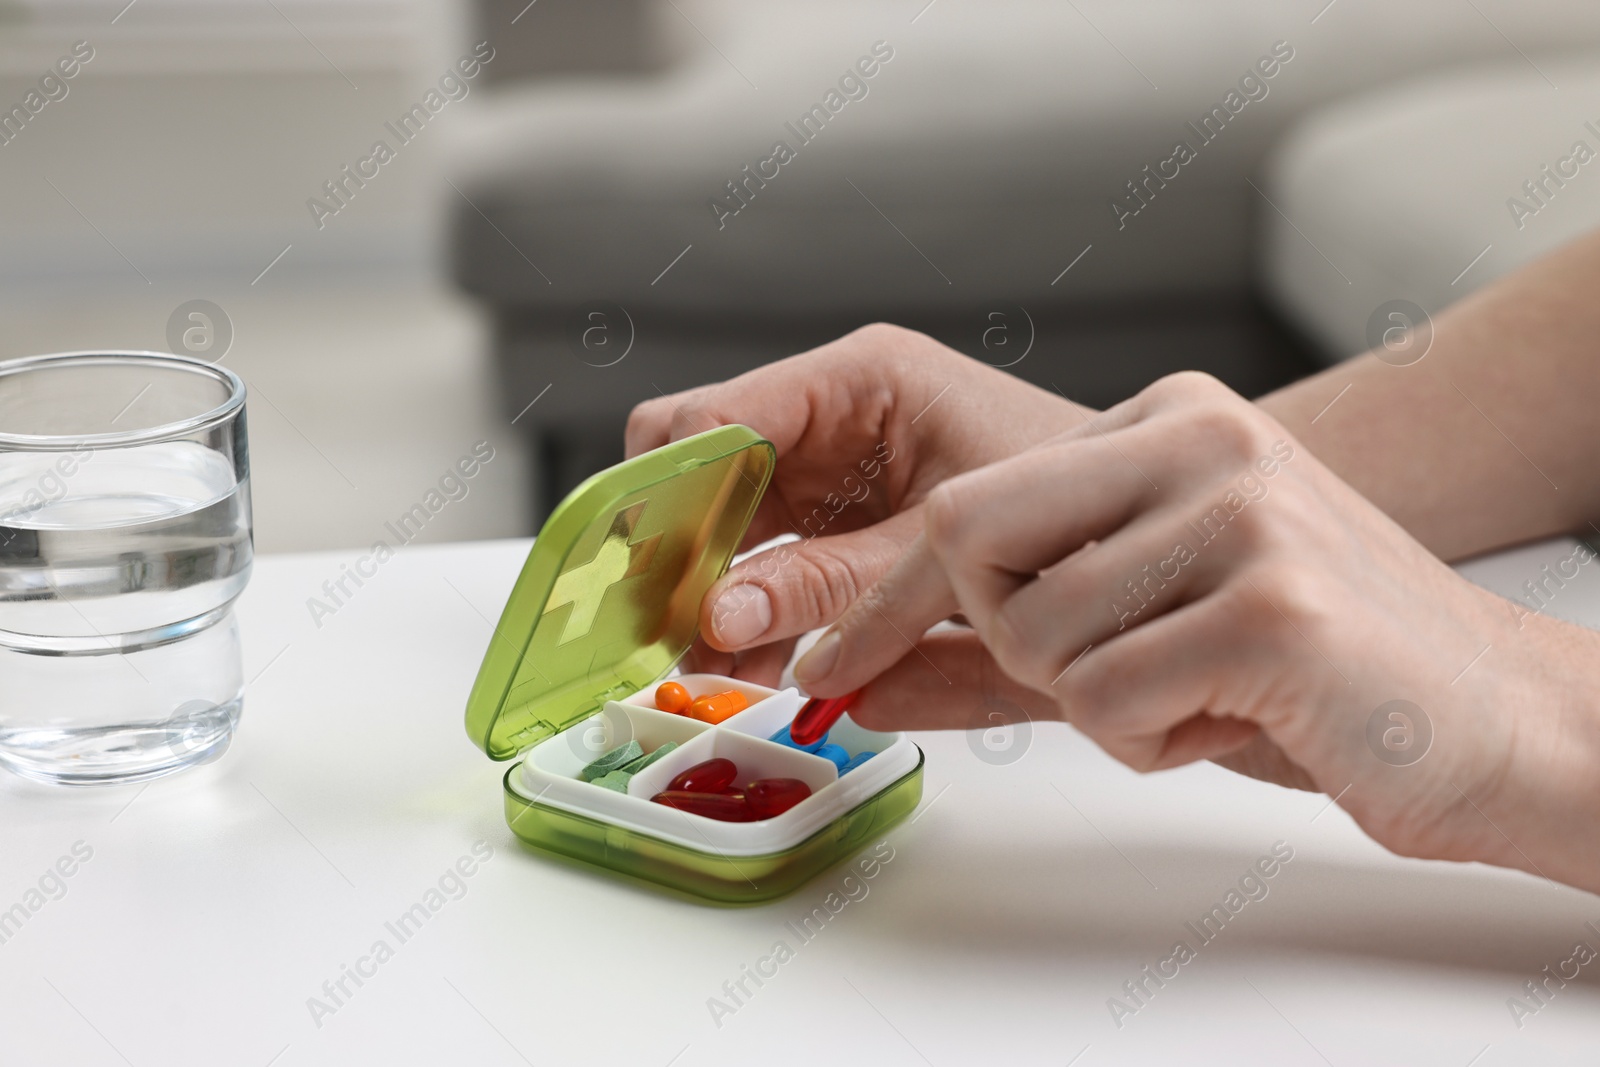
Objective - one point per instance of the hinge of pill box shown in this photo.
(527, 736)
(616, 692)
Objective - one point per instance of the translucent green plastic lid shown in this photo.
(609, 598)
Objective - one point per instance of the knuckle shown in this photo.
(1285, 604)
(1023, 651)
(1137, 753)
(1233, 428)
(824, 585)
(903, 353)
(1260, 528)
(882, 335)
(1089, 691)
(1186, 387)
(687, 419)
(643, 418)
(1257, 533)
(942, 517)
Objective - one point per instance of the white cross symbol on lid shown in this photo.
(617, 559)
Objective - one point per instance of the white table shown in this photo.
(1018, 901)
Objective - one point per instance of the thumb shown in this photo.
(802, 585)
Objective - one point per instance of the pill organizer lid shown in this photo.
(609, 598)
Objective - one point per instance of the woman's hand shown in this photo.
(864, 427)
(1181, 580)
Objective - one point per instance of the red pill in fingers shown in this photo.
(818, 717)
(712, 776)
(726, 807)
(768, 797)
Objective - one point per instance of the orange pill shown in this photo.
(670, 696)
(718, 706)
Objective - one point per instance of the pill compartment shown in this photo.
(703, 684)
(755, 757)
(606, 605)
(550, 771)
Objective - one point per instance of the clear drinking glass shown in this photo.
(124, 541)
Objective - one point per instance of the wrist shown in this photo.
(1543, 809)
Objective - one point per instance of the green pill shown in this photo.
(644, 761)
(613, 760)
(617, 780)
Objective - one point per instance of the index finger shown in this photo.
(839, 384)
(651, 423)
(777, 401)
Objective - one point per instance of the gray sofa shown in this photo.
(1008, 177)
(1425, 190)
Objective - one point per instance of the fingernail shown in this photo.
(741, 615)
(817, 664)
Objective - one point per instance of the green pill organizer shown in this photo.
(606, 605)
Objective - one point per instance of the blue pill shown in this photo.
(856, 761)
(783, 738)
(837, 754)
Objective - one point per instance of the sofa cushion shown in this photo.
(1418, 192)
(985, 157)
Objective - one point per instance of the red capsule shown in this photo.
(728, 807)
(712, 776)
(768, 797)
(818, 717)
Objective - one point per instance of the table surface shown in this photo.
(215, 905)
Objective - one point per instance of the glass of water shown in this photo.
(124, 541)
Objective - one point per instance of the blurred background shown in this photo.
(580, 204)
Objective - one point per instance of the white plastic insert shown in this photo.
(549, 773)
